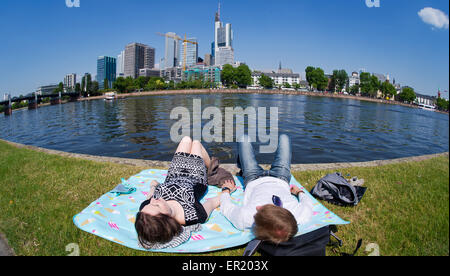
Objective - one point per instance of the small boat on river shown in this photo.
(110, 96)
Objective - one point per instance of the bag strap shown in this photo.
(251, 248)
(358, 245)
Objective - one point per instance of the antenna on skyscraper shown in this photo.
(217, 19)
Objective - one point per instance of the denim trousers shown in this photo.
(251, 170)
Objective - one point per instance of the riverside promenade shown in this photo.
(230, 167)
(247, 91)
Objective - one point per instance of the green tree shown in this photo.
(364, 79)
(316, 78)
(181, 85)
(171, 85)
(266, 81)
(388, 90)
(155, 83)
(354, 89)
(142, 82)
(78, 88)
(369, 85)
(243, 76)
(407, 95)
(94, 89)
(105, 84)
(339, 80)
(309, 75)
(375, 86)
(88, 85)
(59, 89)
(160, 84)
(228, 75)
(320, 80)
(122, 85)
(83, 83)
(442, 104)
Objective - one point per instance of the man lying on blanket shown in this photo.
(268, 206)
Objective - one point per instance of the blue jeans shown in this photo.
(251, 170)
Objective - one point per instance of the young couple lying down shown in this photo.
(269, 209)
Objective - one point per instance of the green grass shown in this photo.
(405, 210)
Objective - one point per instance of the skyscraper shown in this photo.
(223, 42)
(224, 55)
(106, 71)
(70, 81)
(172, 52)
(138, 56)
(191, 52)
(121, 64)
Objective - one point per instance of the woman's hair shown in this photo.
(274, 224)
(156, 229)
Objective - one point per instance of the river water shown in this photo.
(322, 130)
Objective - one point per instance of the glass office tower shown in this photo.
(191, 52)
(172, 52)
(106, 69)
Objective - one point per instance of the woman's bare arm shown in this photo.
(211, 204)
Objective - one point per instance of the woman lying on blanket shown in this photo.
(176, 202)
(268, 207)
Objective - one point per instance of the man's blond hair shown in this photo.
(274, 224)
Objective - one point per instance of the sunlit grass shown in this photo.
(405, 210)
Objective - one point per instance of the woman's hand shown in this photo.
(153, 186)
(230, 185)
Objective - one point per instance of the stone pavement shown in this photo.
(5, 250)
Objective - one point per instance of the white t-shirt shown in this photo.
(260, 193)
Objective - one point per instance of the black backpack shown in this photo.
(335, 189)
(310, 244)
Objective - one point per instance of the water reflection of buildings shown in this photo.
(139, 115)
(109, 121)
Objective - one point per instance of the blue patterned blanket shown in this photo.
(112, 217)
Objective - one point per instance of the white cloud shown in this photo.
(436, 18)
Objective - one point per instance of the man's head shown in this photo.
(274, 224)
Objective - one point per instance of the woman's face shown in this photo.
(156, 207)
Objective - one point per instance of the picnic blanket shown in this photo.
(112, 217)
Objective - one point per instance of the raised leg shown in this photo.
(281, 166)
(247, 161)
(185, 145)
(198, 149)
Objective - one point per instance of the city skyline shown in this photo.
(412, 47)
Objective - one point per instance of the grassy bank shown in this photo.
(405, 211)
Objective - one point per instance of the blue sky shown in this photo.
(42, 41)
